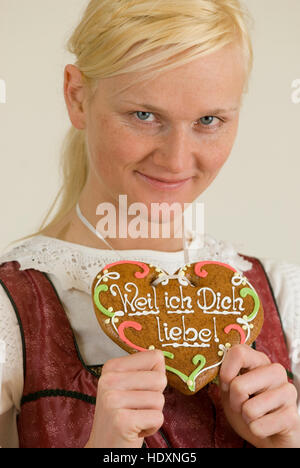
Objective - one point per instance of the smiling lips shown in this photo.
(164, 183)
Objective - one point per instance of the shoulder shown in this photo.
(44, 254)
(23, 252)
(284, 278)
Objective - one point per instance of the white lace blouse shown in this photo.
(72, 268)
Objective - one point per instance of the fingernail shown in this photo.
(246, 419)
(224, 387)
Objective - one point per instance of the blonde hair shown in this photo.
(111, 37)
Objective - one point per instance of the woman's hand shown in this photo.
(129, 400)
(259, 402)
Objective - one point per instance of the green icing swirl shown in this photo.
(101, 287)
(250, 292)
(197, 358)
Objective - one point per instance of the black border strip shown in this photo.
(162, 433)
(57, 392)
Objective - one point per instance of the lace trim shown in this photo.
(76, 265)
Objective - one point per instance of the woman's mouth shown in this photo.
(164, 184)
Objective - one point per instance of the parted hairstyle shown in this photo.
(128, 36)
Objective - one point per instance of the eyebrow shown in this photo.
(157, 109)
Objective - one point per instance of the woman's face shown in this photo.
(180, 126)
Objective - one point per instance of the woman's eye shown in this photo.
(144, 116)
(207, 120)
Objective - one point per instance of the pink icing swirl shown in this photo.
(236, 327)
(203, 273)
(130, 324)
(137, 274)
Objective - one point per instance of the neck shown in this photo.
(72, 229)
(121, 230)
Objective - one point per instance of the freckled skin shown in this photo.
(172, 144)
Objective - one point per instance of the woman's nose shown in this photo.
(176, 151)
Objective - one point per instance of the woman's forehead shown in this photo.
(217, 76)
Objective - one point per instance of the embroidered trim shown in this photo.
(76, 265)
(58, 393)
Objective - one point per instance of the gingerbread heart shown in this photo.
(193, 316)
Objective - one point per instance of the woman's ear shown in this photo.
(75, 95)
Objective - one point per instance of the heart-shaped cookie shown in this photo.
(193, 316)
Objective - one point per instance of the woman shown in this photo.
(154, 137)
